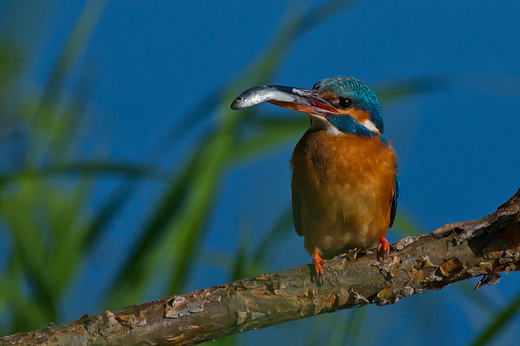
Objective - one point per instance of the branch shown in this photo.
(452, 253)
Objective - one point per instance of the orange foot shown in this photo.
(318, 261)
(383, 247)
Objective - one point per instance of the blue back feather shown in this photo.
(393, 206)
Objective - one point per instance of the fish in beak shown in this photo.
(298, 99)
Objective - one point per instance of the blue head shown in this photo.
(358, 106)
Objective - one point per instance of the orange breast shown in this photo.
(342, 191)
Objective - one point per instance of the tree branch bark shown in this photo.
(452, 253)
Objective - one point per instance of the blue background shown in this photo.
(458, 148)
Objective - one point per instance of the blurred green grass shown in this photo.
(45, 186)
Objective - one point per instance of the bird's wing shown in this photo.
(393, 207)
(297, 213)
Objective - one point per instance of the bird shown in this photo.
(345, 180)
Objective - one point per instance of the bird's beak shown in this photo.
(303, 100)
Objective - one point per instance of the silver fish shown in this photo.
(298, 99)
(265, 93)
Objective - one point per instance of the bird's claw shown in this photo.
(383, 248)
(318, 262)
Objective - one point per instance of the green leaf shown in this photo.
(497, 324)
(270, 134)
(128, 170)
(397, 90)
(274, 238)
(405, 224)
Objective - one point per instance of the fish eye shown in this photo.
(345, 102)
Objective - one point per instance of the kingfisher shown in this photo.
(345, 182)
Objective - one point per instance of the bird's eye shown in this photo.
(345, 102)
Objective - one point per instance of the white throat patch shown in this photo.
(370, 126)
(318, 123)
